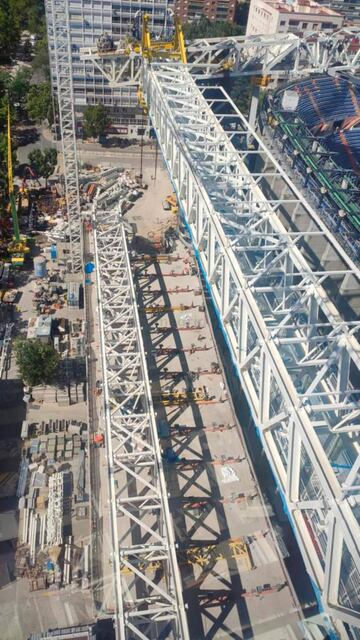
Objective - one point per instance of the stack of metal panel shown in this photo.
(34, 447)
(68, 449)
(55, 510)
(77, 444)
(60, 446)
(51, 449)
(73, 294)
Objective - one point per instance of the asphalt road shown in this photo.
(88, 152)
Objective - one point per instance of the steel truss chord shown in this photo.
(57, 17)
(147, 580)
(297, 359)
(283, 55)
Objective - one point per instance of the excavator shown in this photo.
(17, 247)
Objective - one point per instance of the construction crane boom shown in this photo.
(11, 182)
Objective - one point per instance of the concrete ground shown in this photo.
(23, 612)
(215, 499)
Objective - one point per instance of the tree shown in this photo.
(39, 102)
(95, 120)
(205, 28)
(240, 91)
(10, 29)
(19, 88)
(37, 362)
(40, 61)
(36, 17)
(43, 163)
(27, 50)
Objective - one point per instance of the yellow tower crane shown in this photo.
(17, 247)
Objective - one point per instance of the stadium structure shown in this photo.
(317, 122)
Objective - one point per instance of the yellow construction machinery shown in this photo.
(171, 204)
(173, 49)
(176, 397)
(17, 247)
(149, 49)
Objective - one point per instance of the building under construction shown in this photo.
(229, 366)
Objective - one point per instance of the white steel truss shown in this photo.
(298, 360)
(57, 16)
(281, 55)
(149, 601)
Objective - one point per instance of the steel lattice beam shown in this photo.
(57, 17)
(281, 55)
(147, 582)
(297, 359)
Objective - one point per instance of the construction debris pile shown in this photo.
(49, 296)
(52, 482)
(110, 187)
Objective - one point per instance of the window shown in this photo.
(304, 25)
(282, 23)
(293, 23)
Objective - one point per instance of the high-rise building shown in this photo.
(299, 17)
(88, 20)
(188, 10)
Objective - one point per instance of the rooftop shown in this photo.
(303, 6)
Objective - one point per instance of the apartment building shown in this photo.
(189, 10)
(88, 20)
(350, 9)
(300, 16)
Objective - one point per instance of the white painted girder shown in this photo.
(142, 536)
(277, 54)
(295, 355)
(281, 55)
(57, 18)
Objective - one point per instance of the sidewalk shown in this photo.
(92, 145)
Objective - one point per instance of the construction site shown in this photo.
(192, 469)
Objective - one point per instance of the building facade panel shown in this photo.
(267, 17)
(88, 20)
(189, 10)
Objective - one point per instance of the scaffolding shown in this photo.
(57, 16)
(147, 582)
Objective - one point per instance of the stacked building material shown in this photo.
(55, 510)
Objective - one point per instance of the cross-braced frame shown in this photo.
(57, 16)
(147, 581)
(297, 357)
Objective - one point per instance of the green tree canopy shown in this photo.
(27, 50)
(10, 28)
(19, 87)
(205, 28)
(35, 17)
(40, 60)
(95, 120)
(39, 102)
(37, 362)
(43, 162)
(240, 91)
